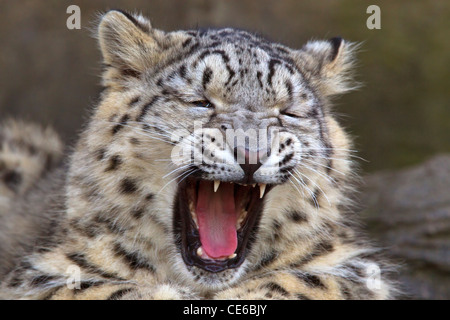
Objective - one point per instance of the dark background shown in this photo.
(399, 118)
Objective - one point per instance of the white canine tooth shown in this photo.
(199, 251)
(234, 255)
(216, 185)
(254, 185)
(262, 190)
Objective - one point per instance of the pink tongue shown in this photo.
(217, 217)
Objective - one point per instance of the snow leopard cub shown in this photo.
(135, 217)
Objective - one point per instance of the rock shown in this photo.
(408, 213)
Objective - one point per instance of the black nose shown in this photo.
(250, 162)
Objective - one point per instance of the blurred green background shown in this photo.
(399, 117)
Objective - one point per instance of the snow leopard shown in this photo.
(155, 202)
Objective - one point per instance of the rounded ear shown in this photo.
(127, 42)
(327, 65)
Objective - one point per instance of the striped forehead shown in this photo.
(242, 64)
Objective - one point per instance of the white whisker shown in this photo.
(339, 149)
(325, 166)
(295, 186)
(186, 173)
(329, 179)
(330, 158)
(303, 184)
(178, 169)
(315, 184)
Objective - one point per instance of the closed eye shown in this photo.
(290, 114)
(203, 104)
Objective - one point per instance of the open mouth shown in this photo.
(217, 221)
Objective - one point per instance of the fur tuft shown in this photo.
(329, 65)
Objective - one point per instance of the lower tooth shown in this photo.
(200, 252)
(234, 255)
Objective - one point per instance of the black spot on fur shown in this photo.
(123, 122)
(41, 280)
(286, 159)
(128, 186)
(231, 74)
(182, 71)
(12, 179)
(272, 286)
(15, 281)
(130, 73)
(298, 216)
(267, 259)
(114, 162)
(319, 249)
(84, 285)
(146, 108)
(186, 42)
(193, 49)
(289, 89)
(133, 102)
(345, 291)
(259, 76)
(313, 113)
(276, 226)
(134, 141)
(132, 259)
(288, 142)
(325, 247)
(81, 260)
(222, 53)
(281, 50)
(18, 276)
(272, 64)
(90, 230)
(119, 294)
(137, 213)
(112, 118)
(329, 167)
(100, 154)
(51, 293)
(301, 296)
(112, 226)
(207, 74)
(310, 280)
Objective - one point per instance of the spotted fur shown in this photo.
(114, 231)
